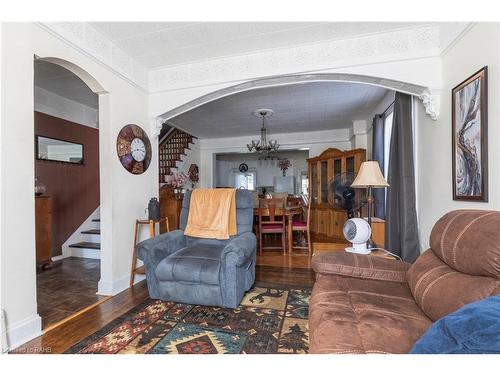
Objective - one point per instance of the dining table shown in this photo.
(289, 212)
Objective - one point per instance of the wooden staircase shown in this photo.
(171, 150)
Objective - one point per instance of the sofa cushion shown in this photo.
(439, 290)
(200, 264)
(361, 266)
(350, 315)
(469, 241)
(472, 329)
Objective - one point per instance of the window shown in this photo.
(304, 183)
(387, 141)
(245, 180)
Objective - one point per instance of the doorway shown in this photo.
(67, 192)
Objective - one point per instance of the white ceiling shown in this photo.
(60, 81)
(297, 108)
(160, 44)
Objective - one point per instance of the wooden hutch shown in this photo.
(170, 207)
(326, 224)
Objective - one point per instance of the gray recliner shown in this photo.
(202, 271)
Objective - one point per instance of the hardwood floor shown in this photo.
(272, 267)
(69, 286)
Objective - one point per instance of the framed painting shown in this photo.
(470, 138)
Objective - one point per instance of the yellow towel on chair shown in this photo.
(212, 214)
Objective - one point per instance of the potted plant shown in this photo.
(178, 181)
(284, 164)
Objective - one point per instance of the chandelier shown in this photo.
(263, 146)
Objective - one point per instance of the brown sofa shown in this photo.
(368, 304)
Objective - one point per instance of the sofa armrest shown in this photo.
(242, 247)
(360, 266)
(153, 250)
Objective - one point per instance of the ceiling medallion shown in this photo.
(263, 146)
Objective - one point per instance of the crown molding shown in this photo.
(95, 45)
(367, 49)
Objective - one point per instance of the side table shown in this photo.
(152, 232)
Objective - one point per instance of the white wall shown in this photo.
(316, 142)
(55, 105)
(123, 195)
(480, 46)
(266, 169)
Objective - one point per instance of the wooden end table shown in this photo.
(152, 232)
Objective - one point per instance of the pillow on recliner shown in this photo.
(472, 329)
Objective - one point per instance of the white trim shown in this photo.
(112, 288)
(23, 331)
(83, 47)
(455, 40)
(79, 252)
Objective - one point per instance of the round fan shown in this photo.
(343, 197)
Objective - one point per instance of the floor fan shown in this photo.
(343, 197)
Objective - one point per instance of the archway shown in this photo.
(429, 99)
(104, 125)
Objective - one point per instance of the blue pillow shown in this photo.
(472, 329)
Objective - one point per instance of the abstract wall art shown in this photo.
(469, 137)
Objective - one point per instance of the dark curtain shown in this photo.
(401, 235)
(378, 155)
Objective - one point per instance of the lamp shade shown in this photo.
(370, 175)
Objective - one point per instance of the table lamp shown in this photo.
(370, 177)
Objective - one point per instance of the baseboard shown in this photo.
(85, 253)
(112, 288)
(23, 331)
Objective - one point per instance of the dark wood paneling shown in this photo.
(74, 188)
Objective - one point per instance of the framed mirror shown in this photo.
(58, 150)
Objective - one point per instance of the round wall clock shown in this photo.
(134, 149)
(243, 167)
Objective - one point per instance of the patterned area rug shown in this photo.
(269, 320)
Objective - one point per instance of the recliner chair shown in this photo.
(202, 271)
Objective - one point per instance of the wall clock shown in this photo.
(134, 149)
(243, 167)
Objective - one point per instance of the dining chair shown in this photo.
(270, 222)
(303, 224)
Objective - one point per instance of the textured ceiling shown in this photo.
(159, 44)
(297, 108)
(60, 81)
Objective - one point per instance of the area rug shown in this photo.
(268, 320)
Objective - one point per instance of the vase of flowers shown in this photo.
(284, 164)
(178, 181)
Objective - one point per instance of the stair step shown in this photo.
(96, 220)
(92, 231)
(87, 245)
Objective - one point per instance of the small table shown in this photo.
(152, 231)
(289, 212)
